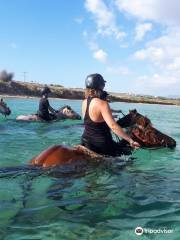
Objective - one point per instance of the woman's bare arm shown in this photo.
(83, 109)
(107, 115)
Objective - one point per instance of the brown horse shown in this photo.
(140, 128)
(4, 109)
(58, 155)
(142, 131)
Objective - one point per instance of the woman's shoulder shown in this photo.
(100, 101)
(100, 104)
(96, 101)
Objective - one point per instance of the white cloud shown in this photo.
(79, 20)
(161, 11)
(163, 54)
(152, 53)
(141, 29)
(124, 45)
(120, 70)
(156, 84)
(162, 51)
(158, 81)
(97, 53)
(100, 55)
(175, 65)
(85, 34)
(104, 18)
(93, 45)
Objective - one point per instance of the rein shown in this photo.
(135, 125)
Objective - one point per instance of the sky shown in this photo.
(134, 44)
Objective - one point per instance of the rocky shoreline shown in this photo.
(28, 90)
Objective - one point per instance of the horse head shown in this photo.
(151, 137)
(69, 113)
(142, 131)
(4, 109)
(148, 136)
(134, 118)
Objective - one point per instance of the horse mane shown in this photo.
(139, 119)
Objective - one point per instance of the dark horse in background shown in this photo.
(139, 127)
(65, 112)
(141, 130)
(4, 109)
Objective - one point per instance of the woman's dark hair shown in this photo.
(103, 95)
(94, 93)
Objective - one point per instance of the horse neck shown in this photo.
(125, 121)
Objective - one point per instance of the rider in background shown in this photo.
(99, 122)
(46, 112)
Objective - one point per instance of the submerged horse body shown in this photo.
(58, 155)
(142, 131)
(66, 112)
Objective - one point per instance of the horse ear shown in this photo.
(133, 111)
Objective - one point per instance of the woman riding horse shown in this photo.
(44, 107)
(99, 122)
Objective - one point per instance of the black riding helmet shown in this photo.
(95, 81)
(45, 90)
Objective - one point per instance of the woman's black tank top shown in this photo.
(96, 133)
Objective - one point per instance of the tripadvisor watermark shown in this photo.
(161, 230)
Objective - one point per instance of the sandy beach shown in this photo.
(30, 97)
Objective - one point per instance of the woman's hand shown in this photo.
(134, 144)
(107, 116)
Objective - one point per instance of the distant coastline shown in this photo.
(29, 97)
(19, 89)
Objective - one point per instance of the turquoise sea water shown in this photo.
(101, 202)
